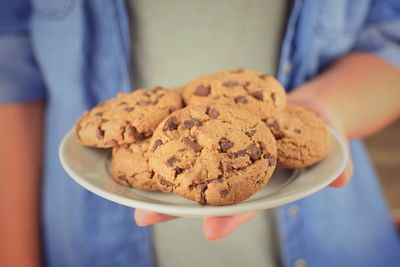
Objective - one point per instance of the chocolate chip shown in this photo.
(229, 167)
(143, 102)
(171, 124)
(276, 130)
(240, 153)
(241, 100)
(258, 95)
(98, 114)
(202, 90)
(122, 103)
(271, 159)
(212, 112)
(246, 85)
(129, 109)
(230, 83)
(178, 171)
(254, 152)
(188, 124)
(278, 135)
(203, 200)
(264, 76)
(123, 178)
(273, 96)
(250, 133)
(298, 131)
(272, 125)
(165, 182)
(157, 143)
(100, 134)
(170, 162)
(192, 144)
(237, 71)
(132, 132)
(104, 120)
(223, 193)
(225, 144)
(112, 142)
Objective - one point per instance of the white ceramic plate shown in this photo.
(90, 168)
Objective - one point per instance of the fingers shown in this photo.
(344, 177)
(146, 218)
(217, 227)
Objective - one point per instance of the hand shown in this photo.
(215, 228)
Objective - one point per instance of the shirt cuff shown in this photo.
(20, 78)
(383, 40)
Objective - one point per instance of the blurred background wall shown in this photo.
(384, 150)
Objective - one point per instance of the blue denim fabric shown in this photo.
(75, 53)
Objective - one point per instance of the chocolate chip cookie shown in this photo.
(126, 119)
(130, 166)
(259, 93)
(302, 138)
(216, 154)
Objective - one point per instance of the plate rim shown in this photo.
(202, 211)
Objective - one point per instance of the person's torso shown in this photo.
(176, 41)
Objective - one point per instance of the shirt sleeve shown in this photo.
(381, 32)
(20, 78)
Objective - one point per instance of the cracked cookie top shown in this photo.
(215, 154)
(259, 93)
(128, 118)
(130, 166)
(301, 136)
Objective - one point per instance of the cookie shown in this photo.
(302, 138)
(215, 154)
(126, 119)
(177, 90)
(130, 166)
(259, 93)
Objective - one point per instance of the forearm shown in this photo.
(21, 127)
(362, 91)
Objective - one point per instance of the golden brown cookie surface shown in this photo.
(302, 138)
(215, 155)
(126, 119)
(260, 94)
(130, 166)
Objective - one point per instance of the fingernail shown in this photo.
(140, 220)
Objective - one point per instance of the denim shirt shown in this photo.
(73, 54)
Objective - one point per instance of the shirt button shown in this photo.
(293, 211)
(287, 68)
(300, 263)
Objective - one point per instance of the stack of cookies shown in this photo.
(216, 140)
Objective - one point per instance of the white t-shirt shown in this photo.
(177, 40)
